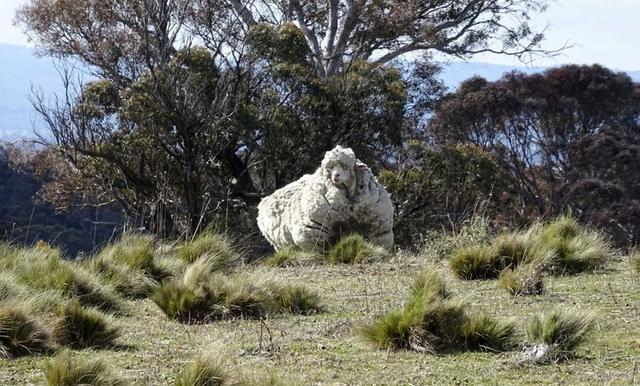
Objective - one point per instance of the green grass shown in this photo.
(560, 247)
(432, 323)
(288, 256)
(485, 333)
(65, 370)
(564, 330)
(204, 370)
(43, 269)
(20, 333)
(211, 244)
(352, 249)
(296, 299)
(80, 328)
(526, 279)
(326, 348)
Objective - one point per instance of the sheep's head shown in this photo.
(338, 166)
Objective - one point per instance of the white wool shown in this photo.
(343, 190)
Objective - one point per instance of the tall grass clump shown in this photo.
(288, 256)
(296, 299)
(556, 334)
(43, 269)
(9, 287)
(204, 370)
(475, 230)
(575, 248)
(431, 322)
(20, 333)
(635, 261)
(79, 328)
(520, 259)
(353, 249)
(202, 297)
(526, 279)
(65, 370)
(208, 243)
(485, 333)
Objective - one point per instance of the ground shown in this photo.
(326, 349)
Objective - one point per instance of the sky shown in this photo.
(601, 31)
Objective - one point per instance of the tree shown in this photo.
(340, 32)
(530, 123)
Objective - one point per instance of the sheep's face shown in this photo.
(338, 166)
(341, 175)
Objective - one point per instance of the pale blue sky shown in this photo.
(603, 31)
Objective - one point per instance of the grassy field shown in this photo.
(326, 348)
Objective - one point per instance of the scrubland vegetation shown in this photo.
(372, 317)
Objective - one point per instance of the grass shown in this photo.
(65, 370)
(20, 333)
(526, 279)
(80, 328)
(560, 247)
(296, 299)
(208, 243)
(352, 249)
(430, 322)
(325, 347)
(43, 269)
(204, 370)
(288, 256)
(559, 333)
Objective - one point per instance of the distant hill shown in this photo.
(21, 70)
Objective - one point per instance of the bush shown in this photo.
(205, 370)
(556, 335)
(63, 370)
(79, 328)
(20, 334)
(485, 333)
(208, 243)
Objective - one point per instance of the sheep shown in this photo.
(342, 195)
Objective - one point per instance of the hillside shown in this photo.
(328, 347)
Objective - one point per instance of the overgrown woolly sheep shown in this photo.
(342, 196)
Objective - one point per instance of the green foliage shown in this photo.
(20, 334)
(9, 287)
(453, 182)
(432, 323)
(186, 304)
(208, 243)
(286, 256)
(296, 299)
(205, 370)
(80, 328)
(65, 370)
(352, 249)
(526, 279)
(575, 248)
(563, 330)
(476, 262)
(635, 261)
(136, 252)
(486, 333)
(128, 282)
(42, 268)
(473, 231)
(202, 297)
(429, 285)
(562, 246)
